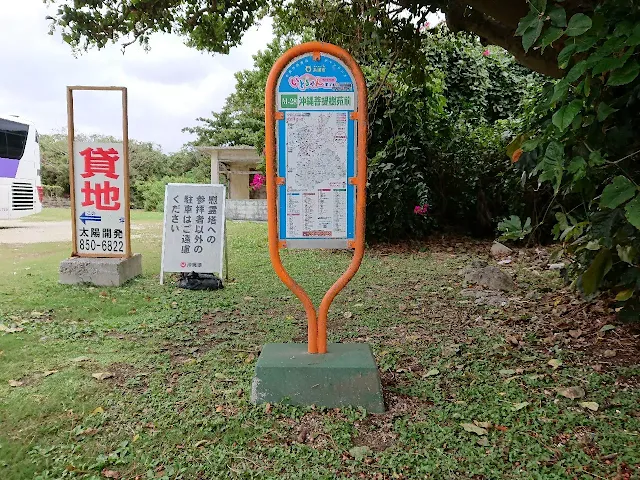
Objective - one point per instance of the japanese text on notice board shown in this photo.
(193, 228)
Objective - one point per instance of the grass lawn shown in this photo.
(177, 403)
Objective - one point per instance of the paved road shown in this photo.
(15, 231)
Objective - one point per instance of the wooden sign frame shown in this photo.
(125, 158)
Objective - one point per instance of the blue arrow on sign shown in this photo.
(89, 218)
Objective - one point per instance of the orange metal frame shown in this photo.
(317, 321)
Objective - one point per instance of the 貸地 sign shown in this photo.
(316, 150)
(194, 221)
(101, 199)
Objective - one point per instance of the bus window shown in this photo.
(13, 139)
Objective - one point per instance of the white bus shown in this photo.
(20, 185)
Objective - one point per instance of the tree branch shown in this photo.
(507, 13)
(460, 17)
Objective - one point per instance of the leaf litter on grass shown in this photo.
(433, 332)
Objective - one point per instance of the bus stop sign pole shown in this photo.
(316, 174)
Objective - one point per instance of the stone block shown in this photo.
(103, 272)
(346, 375)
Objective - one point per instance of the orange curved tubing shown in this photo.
(361, 203)
(317, 327)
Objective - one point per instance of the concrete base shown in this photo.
(103, 272)
(346, 375)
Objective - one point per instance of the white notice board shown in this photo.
(193, 231)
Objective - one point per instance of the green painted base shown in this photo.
(346, 375)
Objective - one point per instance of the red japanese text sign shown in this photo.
(101, 199)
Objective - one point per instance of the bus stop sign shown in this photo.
(316, 164)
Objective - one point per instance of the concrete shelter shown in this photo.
(235, 167)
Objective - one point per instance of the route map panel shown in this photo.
(316, 150)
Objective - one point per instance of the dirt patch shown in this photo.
(128, 377)
(202, 337)
(211, 324)
(122, 336)
(449, 244)
(310, 431)
(560, 319)
(377, 431)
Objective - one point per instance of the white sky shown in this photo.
(168, 87)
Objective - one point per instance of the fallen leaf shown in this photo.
(502, 428)
(111, 474)
(219, 408)
(402, 307)
(593, 406)
(572, 392)
(575, 333)
(97, 410)
(451, 350)
(200, 443)
(555, 363)
(520, 406)
(248, 299)
(360, 453)
(347, 314)
(486, 425)
(15, 383)
(511, 339)
(102, 375)
(529, 358)
(433, 372)
(10, 329)
(611, 456)
(49, 372)
(472, 428)
(250, 358)
(506, 372)
(483, 441)
(610, 353)
(1, 352)
(136, 437)
(607, 327)
(80, 359)
(267, 408)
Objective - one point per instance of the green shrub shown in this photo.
(581, 145)
(440, 141)
(53, 190)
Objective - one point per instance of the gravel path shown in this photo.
(15, 231)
